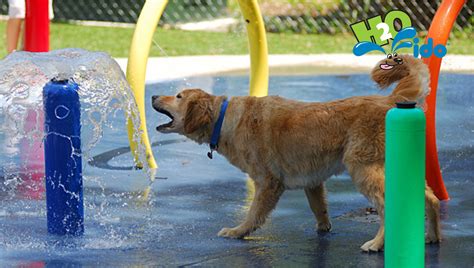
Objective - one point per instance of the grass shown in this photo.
(116, 42)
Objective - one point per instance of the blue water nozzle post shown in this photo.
(62, 156)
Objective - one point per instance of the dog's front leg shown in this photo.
(318, 204)
(433, 234)
(267, 194)
(369, 179)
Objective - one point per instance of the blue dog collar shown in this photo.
(217, 129)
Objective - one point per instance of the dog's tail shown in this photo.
(412, 76)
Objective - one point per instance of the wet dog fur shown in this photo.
(285, 144)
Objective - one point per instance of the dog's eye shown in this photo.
(395, 55)
(178, 96)
(389, 56)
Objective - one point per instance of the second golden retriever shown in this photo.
(284, 144)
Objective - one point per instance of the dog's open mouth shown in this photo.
(386, 66)
(167, 125)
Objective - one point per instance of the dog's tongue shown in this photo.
(385, 66)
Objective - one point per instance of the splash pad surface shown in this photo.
(178, 223)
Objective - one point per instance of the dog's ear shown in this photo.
(198, 115)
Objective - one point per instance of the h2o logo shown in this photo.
(379, 32)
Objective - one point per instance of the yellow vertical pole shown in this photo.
(257, 46)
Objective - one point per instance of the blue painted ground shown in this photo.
(178, 222)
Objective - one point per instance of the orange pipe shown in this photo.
(439, 31)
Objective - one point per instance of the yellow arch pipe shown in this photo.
(140, 49)
(136, 73)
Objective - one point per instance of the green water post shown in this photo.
(405, 186)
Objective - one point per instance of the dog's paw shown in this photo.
(232, 232)
(372, 246)
(432, 238)
(324, 227)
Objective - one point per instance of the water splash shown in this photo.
(405, 33)
(105, 96)
(160, 48)
(104, 91)
(366, 47)
(403, 45)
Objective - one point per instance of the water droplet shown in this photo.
(403, 45)
(19, 90)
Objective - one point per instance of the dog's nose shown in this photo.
(155, 97)
(398, 60)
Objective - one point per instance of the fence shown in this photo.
(301, 16)
(127, 11)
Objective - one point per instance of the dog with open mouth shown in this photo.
(387, 65)
(285, 144)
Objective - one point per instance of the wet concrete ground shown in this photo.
(182, 222)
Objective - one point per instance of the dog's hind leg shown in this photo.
(369, 179)
(267, 194)
(433, 233)
(318, 204)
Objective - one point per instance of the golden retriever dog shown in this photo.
(285, 144)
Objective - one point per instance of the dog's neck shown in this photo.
(203, 135)
(232, 121)
(216, 132)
